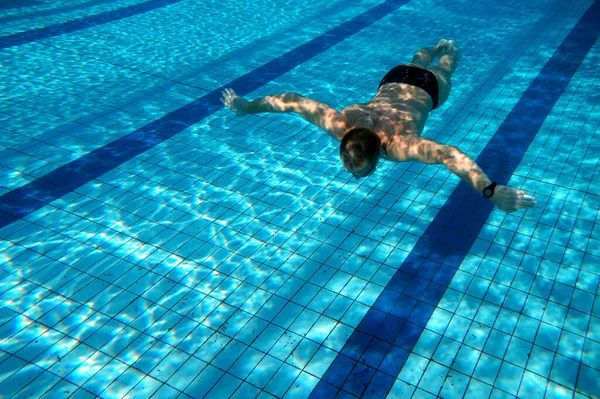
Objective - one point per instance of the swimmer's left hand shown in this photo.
(509, 199)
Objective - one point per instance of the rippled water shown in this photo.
(182, 245)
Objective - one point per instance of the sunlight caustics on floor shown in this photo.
(153, 244)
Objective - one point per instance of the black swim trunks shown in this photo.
(414, 76)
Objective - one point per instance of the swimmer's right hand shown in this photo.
(509, 199)
(237, 104)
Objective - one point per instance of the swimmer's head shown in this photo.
(360, 150)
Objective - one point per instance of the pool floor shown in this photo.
(155, 245)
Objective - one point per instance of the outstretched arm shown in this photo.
(414, 148)
(317, 113)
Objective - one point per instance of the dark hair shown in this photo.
(359, 146)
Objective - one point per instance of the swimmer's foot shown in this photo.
(450, 47)
(447, 46)
(442, 44)
(439, 48)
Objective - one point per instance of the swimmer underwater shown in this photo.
(389, 126)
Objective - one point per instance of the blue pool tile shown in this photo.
(588, 381)
(555, 314)
(468, 307)
(375, 353)
(279, 324)
(402, 389)
(534, 307)
(571, 345)
(264, 371)
(515, 300)
(500, 394)
(345, 395)
(434, 377)
(390, 328)
(446, 351)
(377, 380)
(451, 300)
(399, 281)
(356, 345)
(359, 379)
(526, 328)
(587, 281)
(567, 275)
(386, 301)
(532, 386)
(371, 322)
(185, 374)
(458, 327)
(509, 378)
(487, 369)
(225, 386)
(458, 385)
(593, 332)
(591, 352)
(547, 336)
(496, 294)
(540, 361)
(556, 391)
(303, 353)
(408, 336)
(564, 371)
(416, 287)
(247, 362)
(433, 293)
(427, 344)
(203, 383)
(339, 306)
(404, 307)
(339, 371)
(40, 385)
(15, 382)
(323, 390)
(413, 372)
(582, 300)
(596, 307)
(394, 360)
(421, 313)
(541, 287)
(561, 294)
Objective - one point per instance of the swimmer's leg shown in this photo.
(449, 58)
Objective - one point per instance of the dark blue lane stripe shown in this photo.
(53, 11)
(75, 25)
(374, 355)
(24, 200)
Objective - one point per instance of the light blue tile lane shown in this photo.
(530, 288)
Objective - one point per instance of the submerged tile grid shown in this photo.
(16, 18)
(518, 314)
(135, 134)
(360, 342)
(107, 90)
(74, 25)
(269, 214)
(109, 241)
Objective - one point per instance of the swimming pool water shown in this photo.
(153, 244)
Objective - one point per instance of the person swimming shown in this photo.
(390, 125)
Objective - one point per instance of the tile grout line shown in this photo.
(404, 308)
(24, 200)
(18, 39)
